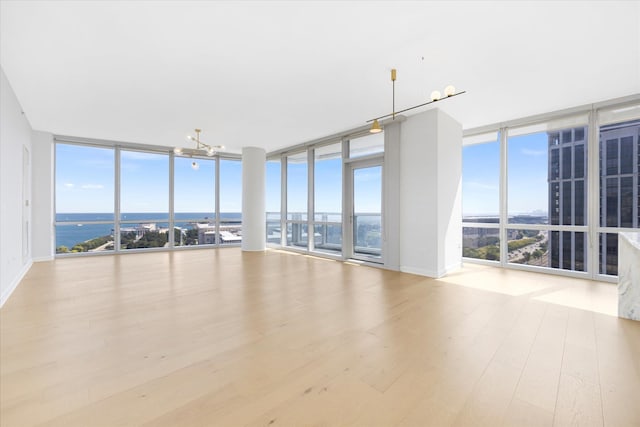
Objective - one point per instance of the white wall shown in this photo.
(43, 241)
(430, 194)
(15, 137)
(449, 192)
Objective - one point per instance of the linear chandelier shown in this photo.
(449, 92)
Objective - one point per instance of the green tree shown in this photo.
(150, 239)
(470, 253)
(192, 237)
(177, 233)
(492, 253)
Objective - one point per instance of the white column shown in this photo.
(253, 199)
(42, 215)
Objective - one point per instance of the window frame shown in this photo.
(592, 228)
(118, 222)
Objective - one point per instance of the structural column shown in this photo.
(430, 194)
(253, 199)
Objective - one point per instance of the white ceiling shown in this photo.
(275, 74)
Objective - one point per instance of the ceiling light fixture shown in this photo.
(209, 150)
(449, 92)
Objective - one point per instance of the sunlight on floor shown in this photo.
(600, 297)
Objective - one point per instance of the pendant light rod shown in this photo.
(449, 92)
(393, 84)
(393, 114)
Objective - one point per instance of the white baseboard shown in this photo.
(44, 258)
(451, 268)
(14, 284)
(431, 273)
(419, 271)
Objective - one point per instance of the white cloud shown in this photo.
(92, 186)
(68, 185)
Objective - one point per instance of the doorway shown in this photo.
(364, 211)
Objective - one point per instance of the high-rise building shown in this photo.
(567, 196)
(619, 192)
(619, 187)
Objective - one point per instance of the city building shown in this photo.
(567, 197)
(228, 234)
(619, 187)
(568, 192)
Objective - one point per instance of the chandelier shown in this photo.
(436, 96)
(202, 148)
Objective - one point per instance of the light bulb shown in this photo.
(210, 152)
(195, 166)
(177, 150)
(449, 90)
(189, 137)
(435, 95)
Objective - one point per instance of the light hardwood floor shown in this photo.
(225, 338)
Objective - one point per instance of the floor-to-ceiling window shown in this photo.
(230, 217)
(120, 198)
(364, 202)
(297, 191)
(194, 201)
(144, 199)
(273, 201)
(330, 197)
(481, 197)
(327, 206)
(366, 211)
(619, 163)
(547, 195)
(84, 189)
(548, 216)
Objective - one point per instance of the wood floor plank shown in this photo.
(227, 338)
(579, 403)
(538, 385)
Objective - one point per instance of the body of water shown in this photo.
(73, 228)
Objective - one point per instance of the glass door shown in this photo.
(366, 211)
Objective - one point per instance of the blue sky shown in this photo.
(85, 182)
(328, 187)
(528, 164)
(527, 180)
(84, 179)
(481, 179)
